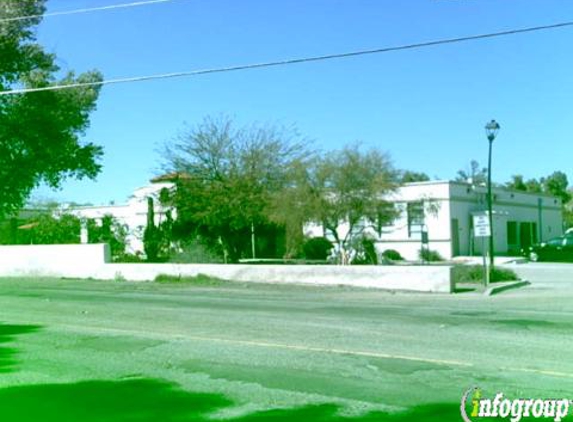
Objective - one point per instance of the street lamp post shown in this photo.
(491, 130)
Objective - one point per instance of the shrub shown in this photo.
(392, 255)
(474, 273)
(199, 279)
(109, 231)
(503, 274)
(430, 255)
(317, 248)
(127, 258)
(365, 248)
(195, 252)
(46, 229)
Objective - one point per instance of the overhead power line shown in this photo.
(86, 10)
(289, 61)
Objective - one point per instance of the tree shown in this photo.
(517, 183)
(109, 231)
(151, 234)
(52, 226)
(157, 238)
(39, 132)
(408, 176)
(474, 175)
(227, 177)
(344, 192)
(557, 185)
(47, 229)
(533, 186)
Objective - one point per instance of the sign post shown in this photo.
(425, 245)
(482, 229)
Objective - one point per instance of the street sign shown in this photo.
(481, 226)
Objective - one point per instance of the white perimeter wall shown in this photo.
(92, 261)
(53, 260)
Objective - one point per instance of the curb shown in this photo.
(502, 287)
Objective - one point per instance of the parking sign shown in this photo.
(481, 226)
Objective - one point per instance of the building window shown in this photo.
(386, 214)
(416, 219)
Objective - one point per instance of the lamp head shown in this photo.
(491, 130)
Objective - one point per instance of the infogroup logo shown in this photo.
(474, 407)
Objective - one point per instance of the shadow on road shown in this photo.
(145, 400)
(8, 334)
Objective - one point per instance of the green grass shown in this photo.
(199, 280)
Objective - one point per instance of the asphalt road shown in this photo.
(95, 350)
(546, 275)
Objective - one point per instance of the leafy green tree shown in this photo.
(228, 176)
(151, 234)
(109, 231)
(39, 132)
(408, 176)
(534, 186)
(47, 229)
(290, 207)
(557, 185)
(517, 183)
(344, 192)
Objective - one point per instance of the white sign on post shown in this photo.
(481, 226)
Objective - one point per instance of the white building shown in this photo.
(445, 210)
(132, 214)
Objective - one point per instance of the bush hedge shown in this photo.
(474, 273)
(392, 255)
(317, 248)
(430, 255)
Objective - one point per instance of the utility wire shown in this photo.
(86, 10)
(289, 61)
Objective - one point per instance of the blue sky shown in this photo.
(426, 107)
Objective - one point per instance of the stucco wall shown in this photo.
(53, 260)
(520, 207)
(91, 261)
(453, 200)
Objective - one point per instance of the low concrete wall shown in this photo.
(92, 261)
(417, 278)
(53, 260)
